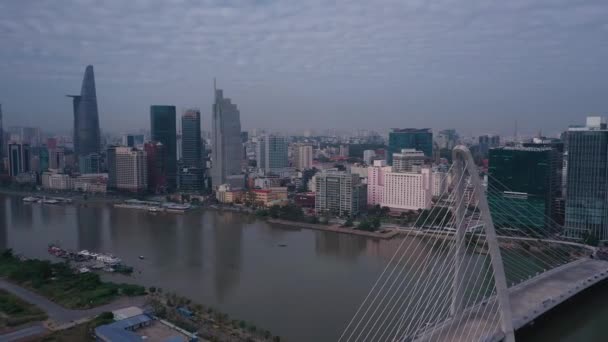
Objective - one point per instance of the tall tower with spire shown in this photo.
(86, 118)
(226, 140)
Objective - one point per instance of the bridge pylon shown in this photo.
(465, 165)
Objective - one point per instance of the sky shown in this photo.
(474, 65)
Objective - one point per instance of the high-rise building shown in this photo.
(375, 182)
(344, 151)
(524, 177)
(339, 193)
(191, 139)
(587, 183)
(440, 183)
(303, 157)
(419, 139)
(133, 140)
(86, 117)
(399, 190)
(43, 155)
(409, 160)
(408, 190)
(368, 157)
(272, 156)
(486, 142)
(18, 159)
(163, 130)
(127, 169)
(226, 143)
(156, 163)
(192, 169)
(447, 139)
(56, 158)
(90, 163)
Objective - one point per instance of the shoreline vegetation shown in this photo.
(15, 312)
(59, 283)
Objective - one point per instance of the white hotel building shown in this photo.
(400, 190)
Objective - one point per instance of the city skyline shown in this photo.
(475, 67)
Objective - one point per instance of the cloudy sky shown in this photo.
(476, 65)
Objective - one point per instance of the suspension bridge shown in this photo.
(477, 266)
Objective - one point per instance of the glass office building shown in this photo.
(410, 138)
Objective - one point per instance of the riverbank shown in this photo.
(381, 234)
(60, 283)
(76, 197)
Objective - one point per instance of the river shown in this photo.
(300, 284)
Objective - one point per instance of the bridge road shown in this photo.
(529, 300)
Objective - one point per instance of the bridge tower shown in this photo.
(465, 165)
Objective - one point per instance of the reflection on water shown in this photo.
(227, 265)
(301, 284)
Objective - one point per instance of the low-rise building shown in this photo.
(226, 195)
(57, 181)
(92, 182)
(271, 196)
(304, 200)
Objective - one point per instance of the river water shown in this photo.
(306, 290)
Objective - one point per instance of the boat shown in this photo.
(31, 199)
(282, 245)
(84, 270)
(154, 209)
(108, 259)
(50, 201)
(141, 257)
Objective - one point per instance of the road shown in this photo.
(60, 316)
(30, 331)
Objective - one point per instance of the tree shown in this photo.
(349, 222)
(590, 238)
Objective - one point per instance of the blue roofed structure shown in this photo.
(123, 330)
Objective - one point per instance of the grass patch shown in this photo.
(15, 312)
(61, 284)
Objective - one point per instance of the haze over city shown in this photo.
(476, 66)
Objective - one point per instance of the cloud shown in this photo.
(407, 57)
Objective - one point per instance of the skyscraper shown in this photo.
(162, 119)
(156, 163)
(226, 139)
(18, 159)
(419, 139)
(524, 177)
(303, 157)
(272, 156)
(486, 142)
(191, 170)
(587, 180)
(86, 117)
(191, 138)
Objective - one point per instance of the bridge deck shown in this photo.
(529, 300)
